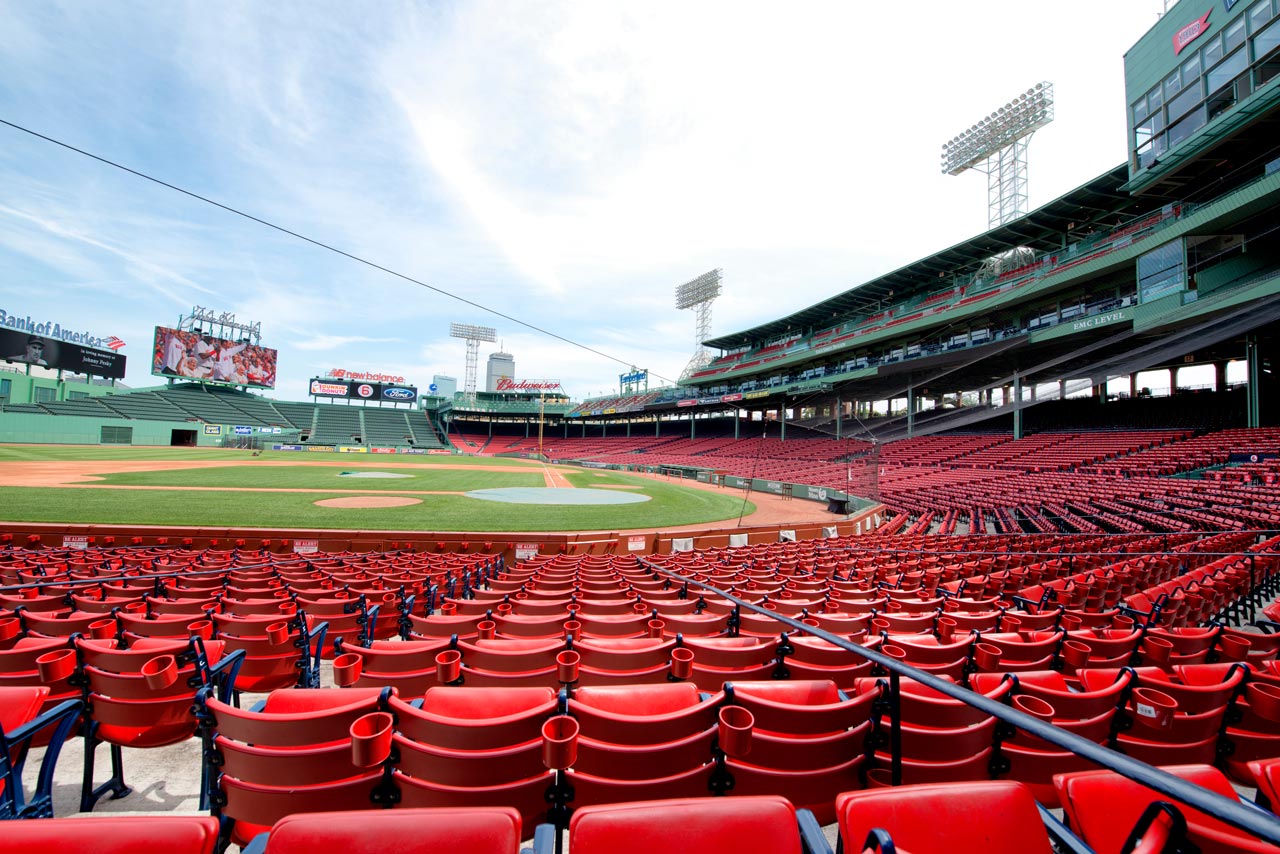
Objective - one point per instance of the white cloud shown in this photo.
(566, 163)
(332, 342)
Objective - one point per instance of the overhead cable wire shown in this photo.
(321, 244)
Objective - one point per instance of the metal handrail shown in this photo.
(1237, 815)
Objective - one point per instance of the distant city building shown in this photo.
(500, 365)
(446, 387)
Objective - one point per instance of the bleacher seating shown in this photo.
(337, 424)
(667, 694)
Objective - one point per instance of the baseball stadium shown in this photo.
(982, 554)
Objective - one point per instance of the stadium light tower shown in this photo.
(698, 295)
(473, 335)
(997, 145)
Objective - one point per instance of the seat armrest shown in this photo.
(223, 674)
(61, 718)
(544, 838)
(1063, 839)
(811, 835)
(257, 845)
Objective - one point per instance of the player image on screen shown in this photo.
(33, 354)
(193, 355)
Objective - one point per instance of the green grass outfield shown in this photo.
(425, 478)
(671, 504)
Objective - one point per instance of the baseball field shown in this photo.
(236, 488)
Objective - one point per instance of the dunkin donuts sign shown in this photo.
(382, 392)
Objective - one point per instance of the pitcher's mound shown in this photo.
(364, 502)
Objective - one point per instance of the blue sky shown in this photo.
(568, 163)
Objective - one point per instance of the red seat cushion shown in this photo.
(112, 835)
(474, 830)
(1102, 807)
(993, 816)
(739, 825)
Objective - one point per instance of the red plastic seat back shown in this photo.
(115, 834)
(465, 830)
(1103, 806)
(20, 704)
(738, 825)
(994, 816)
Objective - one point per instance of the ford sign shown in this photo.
(393, 393)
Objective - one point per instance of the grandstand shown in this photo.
(1060, 578)
(186, 405)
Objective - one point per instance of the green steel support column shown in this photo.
(782, 410)
(1017, 406)
(839, 419)
(628, 428)
(693, 427)
(911, 412)
(1252, 363)
(737, 427)
(657, 426)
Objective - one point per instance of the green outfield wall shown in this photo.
(31, 428)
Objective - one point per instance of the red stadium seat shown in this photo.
(21, 721)
(291, 755)
(740, 825)
(461, 830)
(1102, 806)
(991, 816)
(143, 697)
(117, 834)
(474, 747)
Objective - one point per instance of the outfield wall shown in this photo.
(801, 491)
(511, 546)
(28, 428)
(43, 386)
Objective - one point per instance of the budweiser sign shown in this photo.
(1190, 33)
(343, 374)
(508, 384)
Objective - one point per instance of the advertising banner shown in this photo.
(352, 449)
(509, 384)
(288, 448)
(184, 354)
(242, 430)
(28, 349)
(323, 388)
(382, 392)
(213, 429)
